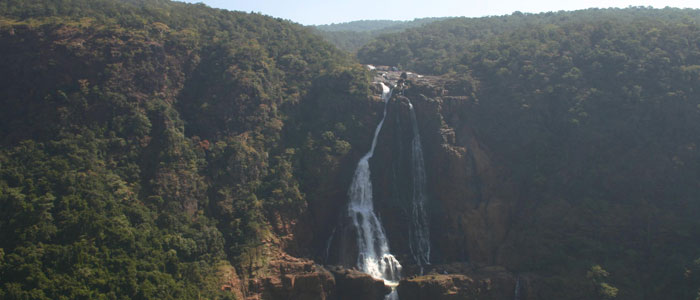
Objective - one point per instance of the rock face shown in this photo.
(470, 200)
(489, 283)
(447, 287)
(300, 279)
(353, 284)
(292, 278)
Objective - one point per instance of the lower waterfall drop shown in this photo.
(374, 257)
(419, 233)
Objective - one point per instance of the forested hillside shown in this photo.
(147, 147)
(351, 36)
(161, 150)
(594, 115)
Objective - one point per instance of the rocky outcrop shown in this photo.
(292, 278)
(301, 279)
(488, 283)
(353, 284)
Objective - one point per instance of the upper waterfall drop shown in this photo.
(374, 257)
(419, 233)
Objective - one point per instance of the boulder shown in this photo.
(487, 283)
(292, 278)
(352, 284)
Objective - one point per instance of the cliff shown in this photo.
(469, 197)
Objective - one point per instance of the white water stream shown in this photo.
(374, 257)
(419, 233)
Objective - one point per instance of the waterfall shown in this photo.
(374, 257)
(419, 233)
(328, 244)
(518, 289)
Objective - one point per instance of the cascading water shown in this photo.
(518, 289)
(328, 244)
(419, 235)
(374, 257)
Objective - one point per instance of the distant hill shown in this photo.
(374, 25)
(351, 36)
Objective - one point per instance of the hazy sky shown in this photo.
(312, 12)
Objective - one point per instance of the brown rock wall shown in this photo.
(470, 198)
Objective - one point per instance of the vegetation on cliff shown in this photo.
(146, 143)
(594, 116)
(351, 36)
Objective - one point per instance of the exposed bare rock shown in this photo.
(484, 284)
(292, 278)
(300, 279)
(470, 198)
(353, 284)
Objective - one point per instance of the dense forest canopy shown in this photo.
(146, 143)
(374, 25)
(444, 46)
(149, 149)
(351, 36)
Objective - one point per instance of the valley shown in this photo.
(153, 149)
